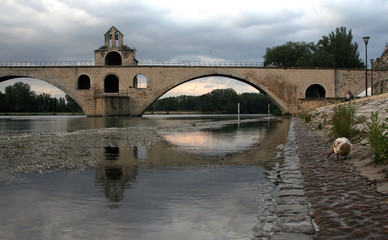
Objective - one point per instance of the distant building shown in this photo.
(381, 64)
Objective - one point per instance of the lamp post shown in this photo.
(366, 39)
(371, 76)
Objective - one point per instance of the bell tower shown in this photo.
(114, 52)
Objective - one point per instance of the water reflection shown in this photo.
(249, 144)
(220, 141)
(115, 174)
(150, 192)
(48, 124)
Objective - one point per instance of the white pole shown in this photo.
(269, 110)
(238, 111)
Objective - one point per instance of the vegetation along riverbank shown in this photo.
(364, 121)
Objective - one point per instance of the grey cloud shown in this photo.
(241, 37)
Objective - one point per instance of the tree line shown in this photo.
(20, 98)
(217, 101)
(333, 51)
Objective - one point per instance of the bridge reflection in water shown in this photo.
(234, 145)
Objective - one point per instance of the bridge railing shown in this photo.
(201, 64)
(45, 63)
(140, 63)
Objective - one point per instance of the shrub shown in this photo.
(306, 116)
(343, 120)
(378, 137)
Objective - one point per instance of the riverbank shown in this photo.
(344, 203)
(349, 198)
(360, 159)
(310, 196)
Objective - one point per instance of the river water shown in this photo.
(174, 177)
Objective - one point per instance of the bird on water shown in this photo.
(341, 146)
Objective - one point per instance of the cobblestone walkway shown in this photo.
(284, 210)
(344, 205)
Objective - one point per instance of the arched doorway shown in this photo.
(113, 58)
(315, 91)
(83, 82)
(111, 84)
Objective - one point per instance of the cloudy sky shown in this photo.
(170, 30)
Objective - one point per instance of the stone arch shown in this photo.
(140, 81)
(111, 84)
(83, 82)
(261, 88)
(113, 58)
(315, 91)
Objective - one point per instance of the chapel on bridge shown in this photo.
(114, 52)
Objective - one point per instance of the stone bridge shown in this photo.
(118, 86)
(129, 90)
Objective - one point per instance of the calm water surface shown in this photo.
(201, 184)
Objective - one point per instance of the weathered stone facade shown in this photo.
(381, 64)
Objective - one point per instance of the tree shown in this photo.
(335, 51)
(339, 45)
(225, 99)
(290, 54)
(42, 103)
(72, 105)
(217, 101)
(3, 105)
(19, 97)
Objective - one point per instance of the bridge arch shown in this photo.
(315, 91)
(111, 84)
(83, 82)
(113, 58)
(256, 85)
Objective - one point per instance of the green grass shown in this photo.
(378, 137)
(306, 116)
(343, 120)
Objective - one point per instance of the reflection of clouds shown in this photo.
(189, 139)
(208, 142)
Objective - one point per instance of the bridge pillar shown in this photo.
(112, 106)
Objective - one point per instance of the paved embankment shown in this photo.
(344, 204)
(361, 157)
(284, 210)
(310, 196)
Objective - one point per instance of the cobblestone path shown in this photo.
(344, 205)
(284, 210)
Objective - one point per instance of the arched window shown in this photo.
(113, 58)
(116, 38)
(315, 91)
(140, 81)
(83, 82)
(111, 84)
